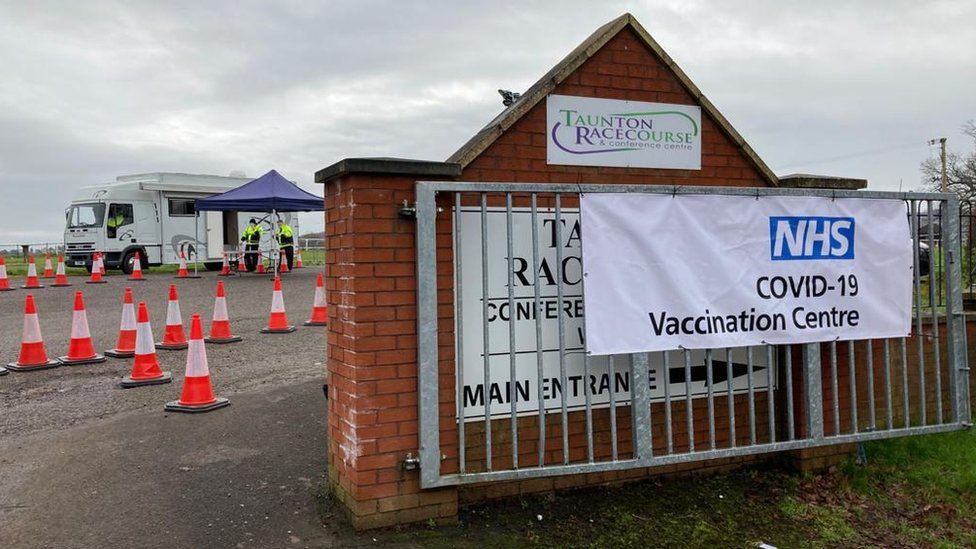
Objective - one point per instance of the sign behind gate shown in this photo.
(500, 390)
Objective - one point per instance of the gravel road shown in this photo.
(71, 395)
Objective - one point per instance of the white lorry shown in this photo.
(155, 214)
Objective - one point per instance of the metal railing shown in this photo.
(588, 414)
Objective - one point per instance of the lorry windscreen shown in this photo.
(86, 215)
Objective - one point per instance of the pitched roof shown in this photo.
(484, 138)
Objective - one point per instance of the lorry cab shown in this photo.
(155, 215)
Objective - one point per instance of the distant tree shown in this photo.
(960, 168)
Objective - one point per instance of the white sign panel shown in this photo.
(587, 131)
(500, 391)
(699, 271)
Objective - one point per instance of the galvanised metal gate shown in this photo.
(647, 409)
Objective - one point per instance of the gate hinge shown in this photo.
(411, 463)
(407, 210)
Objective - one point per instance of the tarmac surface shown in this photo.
(84, 463)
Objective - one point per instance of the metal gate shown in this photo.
(650, 409)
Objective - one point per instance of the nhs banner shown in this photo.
(664, 272)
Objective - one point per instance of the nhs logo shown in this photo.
(811, 237)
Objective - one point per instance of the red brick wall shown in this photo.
(623, 69)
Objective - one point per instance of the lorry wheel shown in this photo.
(127, 261)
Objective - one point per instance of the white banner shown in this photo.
(708, 271)
(588, 131)
(501, 390)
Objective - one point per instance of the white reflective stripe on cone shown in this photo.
(60, 270)
(137, 264)
(144, 340)
(220, 309)
(173, 316)
(31, 270)
(128, 317)
(79, 325)
(319, 297)
(196, 359)
(3, 271)
(277, 303)
(32, 329)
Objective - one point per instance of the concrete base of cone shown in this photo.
(7, 289)
(175, 406)
(221, 341)
(128, 382)
(14, 367)
(60, 285)
(286, 330)
(120, 354)
(173, 347)
(311, 323)
(26, 287)
(138, 279)
(3, 371)
(96, 282)
(188, 276)
(79, 361)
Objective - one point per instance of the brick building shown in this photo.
(372, 289)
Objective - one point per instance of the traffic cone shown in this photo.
(183, 272)
(241, 265)
(320, 311)
(125, 346)
(4, 281)
(220, 326)
(137, 268)
(32, 353)
(298, 259)
(174, 338)
(283, 262)
(80, 349)
(60, 279)
(96, 272)
(48, 269)
(278, 321)
(145, 367)
(225, 268)
(32, 281)
(260, 268)
(101, 263)
(197, 394)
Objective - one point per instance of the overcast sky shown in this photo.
(91, 90)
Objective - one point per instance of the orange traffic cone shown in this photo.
(32, 353)
(125, 346)
(320, 311)
(197, 394)
(183, 272)
(80, 349)
(32, 281)
(278, 321)
(241, 265)
(174, 338)
(283, 263)
(101, 263)
(260, 268)
(220, 331)
(48, 269)
(96, 272)
(4, 281)
(145, 367)
(137, 268)
(60, 279)
(225, 268)
(298, 259)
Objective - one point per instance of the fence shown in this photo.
(648, 409)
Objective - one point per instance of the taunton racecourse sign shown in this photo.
(586, 131)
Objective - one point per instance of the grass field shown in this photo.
(912, 492)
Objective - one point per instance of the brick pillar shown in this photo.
(372, 342)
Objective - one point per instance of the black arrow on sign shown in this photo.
(719, 372)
